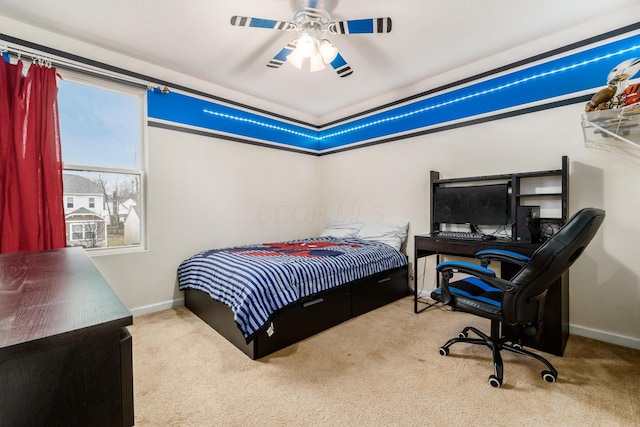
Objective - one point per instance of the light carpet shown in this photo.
(379, 369)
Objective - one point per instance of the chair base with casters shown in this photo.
(497, 344)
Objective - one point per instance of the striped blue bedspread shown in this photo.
(258, 280)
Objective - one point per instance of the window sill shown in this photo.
(116, 251)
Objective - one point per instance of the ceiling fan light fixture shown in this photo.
(307, 46)
(328, 51)
(316, 63)
(295, 59)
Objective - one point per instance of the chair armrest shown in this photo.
(488, 255)
(449, 268)
(465, 267)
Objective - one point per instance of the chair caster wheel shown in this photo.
(444, 351)
(495, 381)
(463, 334)
(549, 376)
(517, 345)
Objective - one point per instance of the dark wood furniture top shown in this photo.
(51, 297)
(65, 353)
(468, 247)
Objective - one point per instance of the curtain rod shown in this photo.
(45, 56)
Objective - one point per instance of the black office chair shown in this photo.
(519, 301)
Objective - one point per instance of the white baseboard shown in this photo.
(423, 293)
(148, 309)
(605, 336)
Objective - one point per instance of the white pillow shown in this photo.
(341, 228)
(391, 234)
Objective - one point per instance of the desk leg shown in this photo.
(415, 283)
(416, 297)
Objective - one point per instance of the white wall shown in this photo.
(392, 183)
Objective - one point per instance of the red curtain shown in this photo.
(31, 194)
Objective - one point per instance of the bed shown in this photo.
(265, 297)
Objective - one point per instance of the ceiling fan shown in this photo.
(311, 21)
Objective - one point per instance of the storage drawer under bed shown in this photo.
(373, 292)
(304, 319)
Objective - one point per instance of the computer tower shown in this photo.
(528, 224)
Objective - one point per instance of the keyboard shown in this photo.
(459, 234)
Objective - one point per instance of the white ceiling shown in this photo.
(194, 37)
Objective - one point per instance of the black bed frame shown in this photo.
(306, 317)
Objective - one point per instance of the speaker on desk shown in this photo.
(528, 224)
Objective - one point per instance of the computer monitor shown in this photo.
(474, 204)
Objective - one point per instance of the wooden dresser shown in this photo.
(65, 351)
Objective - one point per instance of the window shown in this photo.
(85, 233)
(77, 231)
(102, 136)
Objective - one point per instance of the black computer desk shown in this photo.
(555, 329)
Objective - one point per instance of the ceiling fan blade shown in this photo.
(281, 57)
(361, 26)
(272, 24)
(340, 65)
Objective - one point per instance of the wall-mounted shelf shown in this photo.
(616, 130)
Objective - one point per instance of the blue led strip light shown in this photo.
(186, 110)
(556, 78)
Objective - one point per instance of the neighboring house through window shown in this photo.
(86, 225)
